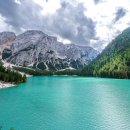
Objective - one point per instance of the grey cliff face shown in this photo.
(6, 39)
(36, 49)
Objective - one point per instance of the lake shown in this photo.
(66, 103)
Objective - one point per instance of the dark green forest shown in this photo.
(8, 75)
(114, 61)
(37, 72)
(68, 72)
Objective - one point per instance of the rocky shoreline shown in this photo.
(6, 85)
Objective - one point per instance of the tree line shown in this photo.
(8, 75)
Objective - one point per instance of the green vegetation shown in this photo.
(8, 75)
(114, 61)
(37, 72)
(68, 72)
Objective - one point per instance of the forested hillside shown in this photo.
(8, 75)
(114, 61)
(37, 72)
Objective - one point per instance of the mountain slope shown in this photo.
(38, 50)
(9, 75)
(114, 61)
(6, 39)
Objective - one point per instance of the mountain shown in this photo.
(114, 61)
(38, 50)
(6, 39)
(6, 74)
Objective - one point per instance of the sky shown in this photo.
(84, 22)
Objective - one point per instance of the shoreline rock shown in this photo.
(6, 85)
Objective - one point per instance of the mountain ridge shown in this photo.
(38, 50)
(114, 61)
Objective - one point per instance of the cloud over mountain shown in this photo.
(76, 21)
(119, 14)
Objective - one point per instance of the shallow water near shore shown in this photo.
(66, 103)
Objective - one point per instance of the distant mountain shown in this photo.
(114, 61)
(38, 50)
(6, 39)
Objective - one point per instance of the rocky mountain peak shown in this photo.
(37, 49)
(6, 37)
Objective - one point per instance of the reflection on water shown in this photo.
(66, 103)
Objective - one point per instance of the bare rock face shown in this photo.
(6, 39)
(36, 49)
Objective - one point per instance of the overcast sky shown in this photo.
(84, 22)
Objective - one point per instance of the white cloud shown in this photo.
(102, 15)
(18, 2)
(4, 26)
(49, 7)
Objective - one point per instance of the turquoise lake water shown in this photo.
(66, 103)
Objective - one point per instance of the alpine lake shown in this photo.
(66, 103)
